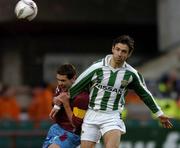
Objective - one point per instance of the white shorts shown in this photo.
(97, 123)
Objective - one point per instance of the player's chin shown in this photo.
(120, 60)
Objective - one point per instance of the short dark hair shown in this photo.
(124, 39)
(68, 70)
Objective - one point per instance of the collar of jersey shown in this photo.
(107, 61)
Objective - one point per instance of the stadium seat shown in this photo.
(45, 124)
(30, 140)
(5, 142)
(132, 123)
(8, 125)
(25, 125)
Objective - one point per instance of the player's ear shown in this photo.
(74, 78)
(112, 49)
(130, 53)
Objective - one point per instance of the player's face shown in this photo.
(64, 82)
(120, 53)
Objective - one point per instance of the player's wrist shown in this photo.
(57, 101)
(66, 104)
(56, 107)
(159, 113)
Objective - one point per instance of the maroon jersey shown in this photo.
(79, 106)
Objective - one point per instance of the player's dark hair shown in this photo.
(67, 69)
(125, 39)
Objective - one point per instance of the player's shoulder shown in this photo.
(135, 73)
(130, 68)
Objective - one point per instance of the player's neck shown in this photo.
(115, 64)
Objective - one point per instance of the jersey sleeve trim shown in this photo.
(79, 113)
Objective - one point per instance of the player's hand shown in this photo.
(64, 98)
(57, 100)
(165, 121)
(53, 112)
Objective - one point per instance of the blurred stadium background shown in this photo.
(80, 32)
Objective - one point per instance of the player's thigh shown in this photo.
(90, 133)
(112, 138)
(54, 146)
(87, 144)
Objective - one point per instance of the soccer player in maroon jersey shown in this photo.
(67, 114)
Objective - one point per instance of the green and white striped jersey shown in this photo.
(108, 86)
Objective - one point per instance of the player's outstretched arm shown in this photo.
(165, 121)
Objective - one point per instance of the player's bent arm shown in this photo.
(64, 98)
(69, 112)
(80, 105)
(83, 80)
(80, 108)
(78, 115)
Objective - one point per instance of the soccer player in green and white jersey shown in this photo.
(109, 80)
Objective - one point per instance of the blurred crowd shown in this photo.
(25, 103)
(35, 103)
